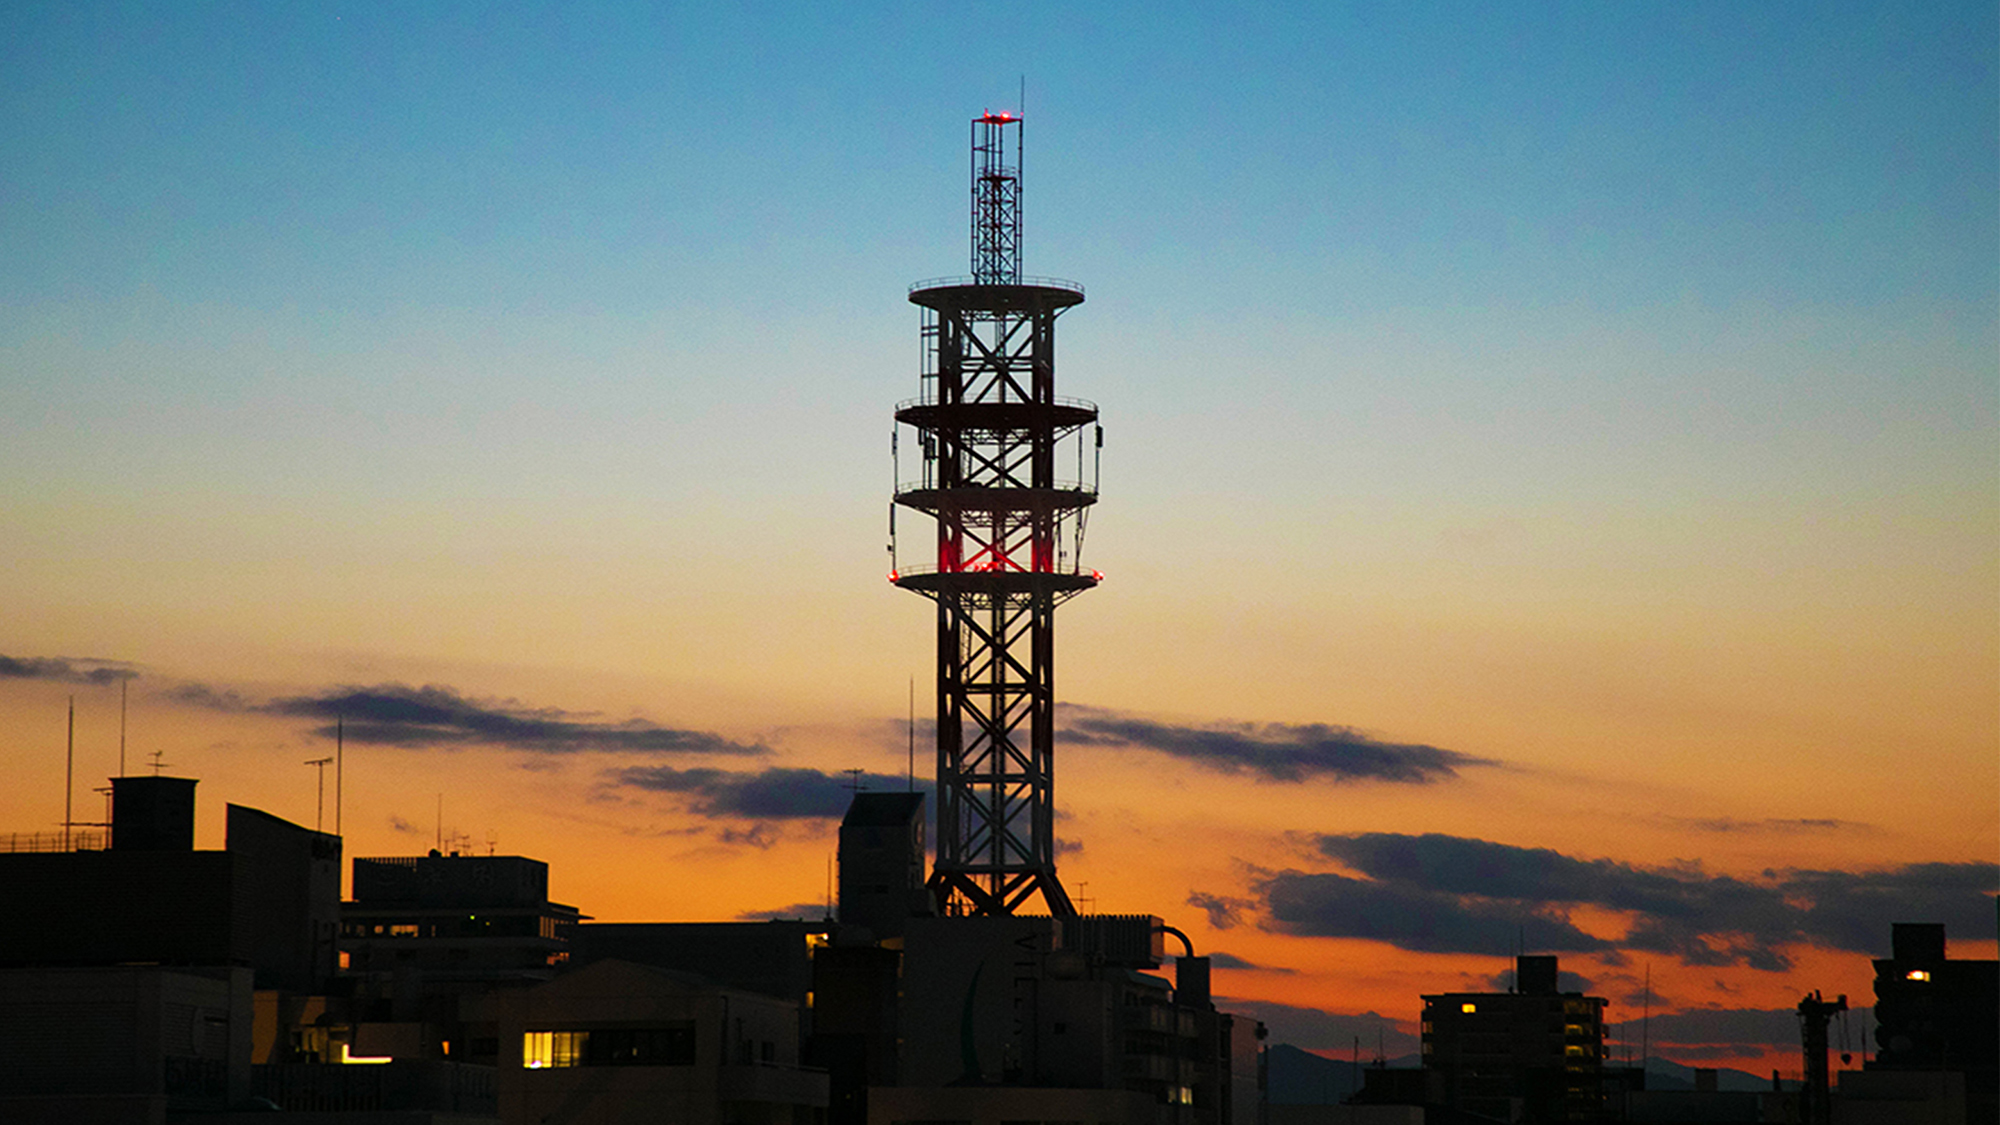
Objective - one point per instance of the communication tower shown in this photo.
(1009, 473)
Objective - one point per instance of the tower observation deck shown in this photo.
(1008, 474)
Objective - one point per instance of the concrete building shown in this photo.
(1936, 1017)
(1534, 1054)
(882, 863)
(122, 1044)
(431, 941)
(618, 1042)
(128, 974)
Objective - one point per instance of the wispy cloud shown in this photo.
(777, 793)
(807, 911)
(65, 669)
(432, 716)
(1773, 825)
(1277, 752)
(1719, 1032)
(1221, 960)
(1441, 893)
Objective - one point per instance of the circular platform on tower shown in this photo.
(1066, 496)
(1062, 414)
(1030, 294)
(993, 583)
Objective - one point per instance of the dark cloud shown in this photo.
(65, 669)
(1439, 892)
(213, 699)
(777, 793)
(1272, 751)
(1223, 912)
(431, 716)
(1317, 1030)
(1413, 917)
(1566, 981)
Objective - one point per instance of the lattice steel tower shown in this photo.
(994, 438)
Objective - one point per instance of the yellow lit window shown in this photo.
(1468, 1008)
(1917, 974)
(541, 1049)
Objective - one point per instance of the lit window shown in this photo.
(370, 1059)
(1917, 974)
(542, 1049)
(668, 1045)
(1468, 1008)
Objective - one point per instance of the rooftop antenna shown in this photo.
(912, 728)
(319, 809)
(159, 761)
(854, 784)
(69, 774)
(339, 745)
(440, 824)
(121, 726)
(1646, 1022)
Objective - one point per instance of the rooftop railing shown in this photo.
(954, 282)
(72, 841)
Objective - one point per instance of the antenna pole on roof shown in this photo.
(339, 745)
(1646, 1022)
(319, 807)
(69, 774)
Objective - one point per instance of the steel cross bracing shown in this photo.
(1008, 544)
(996, 200)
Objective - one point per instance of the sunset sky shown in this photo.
(1550, 490)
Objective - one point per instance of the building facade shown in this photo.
(1534, 1054)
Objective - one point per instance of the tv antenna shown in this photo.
(319, 810)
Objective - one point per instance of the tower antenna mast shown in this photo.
(1009, 537)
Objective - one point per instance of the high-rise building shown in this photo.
(1534, 1054)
